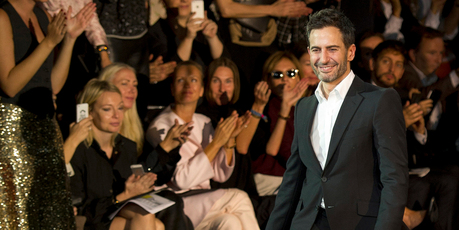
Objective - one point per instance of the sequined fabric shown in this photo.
(33, 192)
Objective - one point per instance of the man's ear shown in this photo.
(372, 64)
(412, 55)
(351, 53)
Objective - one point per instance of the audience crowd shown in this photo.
(206, 105)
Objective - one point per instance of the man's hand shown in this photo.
(411, 113)
(159, 70)
(426, 106)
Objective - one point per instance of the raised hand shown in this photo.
(261, 93)
(193, 25)
(79, 131)
(290, 97)
(160, 70)
(241, 124)
(290, 8)
(177, 135)
(136, 185)
(56, 28)
(225, 128)
(209, 27)
(77, 24)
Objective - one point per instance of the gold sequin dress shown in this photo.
(33, 193)
(32, 172)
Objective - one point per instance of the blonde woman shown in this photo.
(102, 163)
(123, 76)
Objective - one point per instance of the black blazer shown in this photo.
(365, 180)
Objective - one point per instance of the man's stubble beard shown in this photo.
(332, 76)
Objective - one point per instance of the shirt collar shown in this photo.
(340, 90)
(418, 71)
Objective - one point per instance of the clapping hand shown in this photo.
(160, 70)
(77, 24)
(177, 135)
(261, 93)
(241, 124)
(137, 185)
(290, 97)
(225, 128)
(56, 28)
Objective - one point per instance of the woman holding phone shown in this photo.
(102, 163)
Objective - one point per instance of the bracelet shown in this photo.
(282, 117)
(101, 48)
(259, 115)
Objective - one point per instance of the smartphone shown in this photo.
(434, 95)
(81, 111)
(197, 6)
(416, 98)
(137, 170)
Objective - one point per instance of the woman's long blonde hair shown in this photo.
(131, 127)
(91, 92)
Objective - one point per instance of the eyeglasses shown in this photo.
(290, 73)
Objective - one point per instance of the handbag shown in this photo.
(259, 31)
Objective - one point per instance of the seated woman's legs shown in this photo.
(233, 210)
(134, 217)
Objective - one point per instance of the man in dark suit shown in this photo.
(348, 168)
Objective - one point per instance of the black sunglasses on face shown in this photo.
(290, 73)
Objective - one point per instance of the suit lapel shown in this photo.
(308, 120)
(350, 104)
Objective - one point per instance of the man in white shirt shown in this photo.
(348, 168)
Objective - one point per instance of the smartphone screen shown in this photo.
(81, 111)
(137, 170)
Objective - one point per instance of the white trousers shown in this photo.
(266, 184)
(233, 211)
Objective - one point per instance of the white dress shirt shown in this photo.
(325, 117)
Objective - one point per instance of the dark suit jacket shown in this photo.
(365, 180)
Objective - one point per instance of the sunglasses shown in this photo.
(290, 73)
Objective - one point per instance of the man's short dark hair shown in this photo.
(333, 18)
(416, 35)
(391, 46)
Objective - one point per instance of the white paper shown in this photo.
(151, 202)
